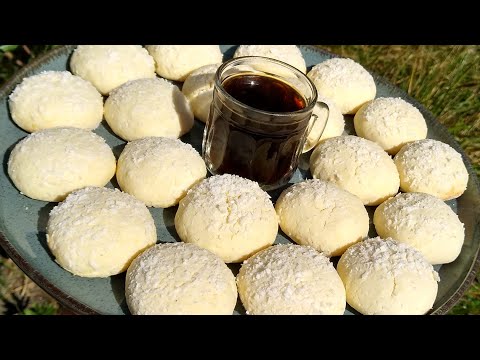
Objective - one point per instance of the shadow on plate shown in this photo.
(42, 221)
(195, 136)
(229, 53)
(117, 150)
(283, 238)
(118, 288)
(169, 221)
(5, 160)
(352, 311)
(372, 232)
(239, 309)
(109, 129)
(274, 194)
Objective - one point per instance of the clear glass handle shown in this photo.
(309, 145)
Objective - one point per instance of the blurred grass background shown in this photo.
(445, 79)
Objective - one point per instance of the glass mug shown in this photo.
(259, 120)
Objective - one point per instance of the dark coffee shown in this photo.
(264, 93)
(259, 146)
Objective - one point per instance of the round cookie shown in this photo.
(97, 232)
(159, 171)
(390, 122)
(47, 165)
(424, 222)
(357, 165)
(109, 66)
(386, 277)
(228, 215)
(54, 99)
(182, 279)
(176, 62)
(345, 82)
(334, 127)
(148, 107)
(289, 54)
(319, 214)
(198, 89)
(432, 167)
(290, 280)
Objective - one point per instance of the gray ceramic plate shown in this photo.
(23, 220)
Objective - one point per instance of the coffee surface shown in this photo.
(264, 93)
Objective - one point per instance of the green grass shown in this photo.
(40, 309)
(445, 79)
(13, 57)
(19, 295)
(470, 302)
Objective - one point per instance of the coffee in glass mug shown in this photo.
(259, 120)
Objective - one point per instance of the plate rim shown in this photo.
(80, 308)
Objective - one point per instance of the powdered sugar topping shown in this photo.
(341, 72)
(388, 256)
(239, 199)
(430, 158)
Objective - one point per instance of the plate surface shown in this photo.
(23, 220)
